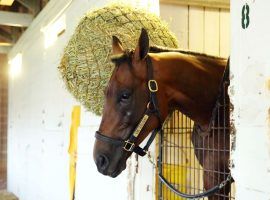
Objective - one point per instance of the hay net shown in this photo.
(85, 66)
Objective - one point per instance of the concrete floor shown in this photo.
(4, 195)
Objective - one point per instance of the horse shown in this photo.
(146, 84)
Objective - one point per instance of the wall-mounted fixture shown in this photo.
(15, 65)
(6, 2)
(53, 30)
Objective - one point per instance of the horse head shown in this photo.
(127, 104)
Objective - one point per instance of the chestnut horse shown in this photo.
(183, 80)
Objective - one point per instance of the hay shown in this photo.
(85, 66)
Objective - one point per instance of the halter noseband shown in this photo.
(129, 144)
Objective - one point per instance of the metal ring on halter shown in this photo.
(152, 85)
(148, 105)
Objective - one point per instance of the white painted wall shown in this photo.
(250, 86)
(39, 120)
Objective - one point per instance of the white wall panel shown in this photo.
(177, 19)
(196, 29)
(225, 36)
(250, 93)
(199, 29)
(211, 31)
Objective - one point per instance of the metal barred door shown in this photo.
(180, 160)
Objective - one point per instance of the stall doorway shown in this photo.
(183, 150)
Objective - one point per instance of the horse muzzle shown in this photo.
(108, 165)
(102, 163)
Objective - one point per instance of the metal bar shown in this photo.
(224, 131)
(15, 19)
(170, 151)
(175, 165)
(225, 4)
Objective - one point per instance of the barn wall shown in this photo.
(40, 116)
(250, 86)
(199, 29)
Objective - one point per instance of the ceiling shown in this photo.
(15, 17)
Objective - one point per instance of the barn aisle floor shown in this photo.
(4, 195)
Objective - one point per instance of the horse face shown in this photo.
(125, 102)
(126, 99)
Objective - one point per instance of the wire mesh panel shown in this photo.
(193, 160)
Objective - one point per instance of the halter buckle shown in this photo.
(129, 146)
(152, 85)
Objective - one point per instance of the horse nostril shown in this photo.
(102, 162)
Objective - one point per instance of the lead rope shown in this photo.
(177, 192)
(196, 196)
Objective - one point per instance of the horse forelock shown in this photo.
(126, 56)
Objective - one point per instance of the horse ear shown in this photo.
(142, 48)
(116, 46)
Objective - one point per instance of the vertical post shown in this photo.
(73, 146)
(3, 120)
(250, 94)
(160, 160)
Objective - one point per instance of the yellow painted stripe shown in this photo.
(72, 150)
(177, 175)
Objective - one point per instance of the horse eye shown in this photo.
(125, 96)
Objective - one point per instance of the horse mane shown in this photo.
(160, 49)
(126, 56)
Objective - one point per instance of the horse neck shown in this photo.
(191, 83)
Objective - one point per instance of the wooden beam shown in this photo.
(4, 49)
(225, 4)
(15, 33)
(5, 35)
(32, 5)
(15, 19)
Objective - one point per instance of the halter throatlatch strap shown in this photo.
(130, 145)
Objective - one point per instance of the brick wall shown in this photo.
(3, 120)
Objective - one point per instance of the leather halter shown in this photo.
(129, 144)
